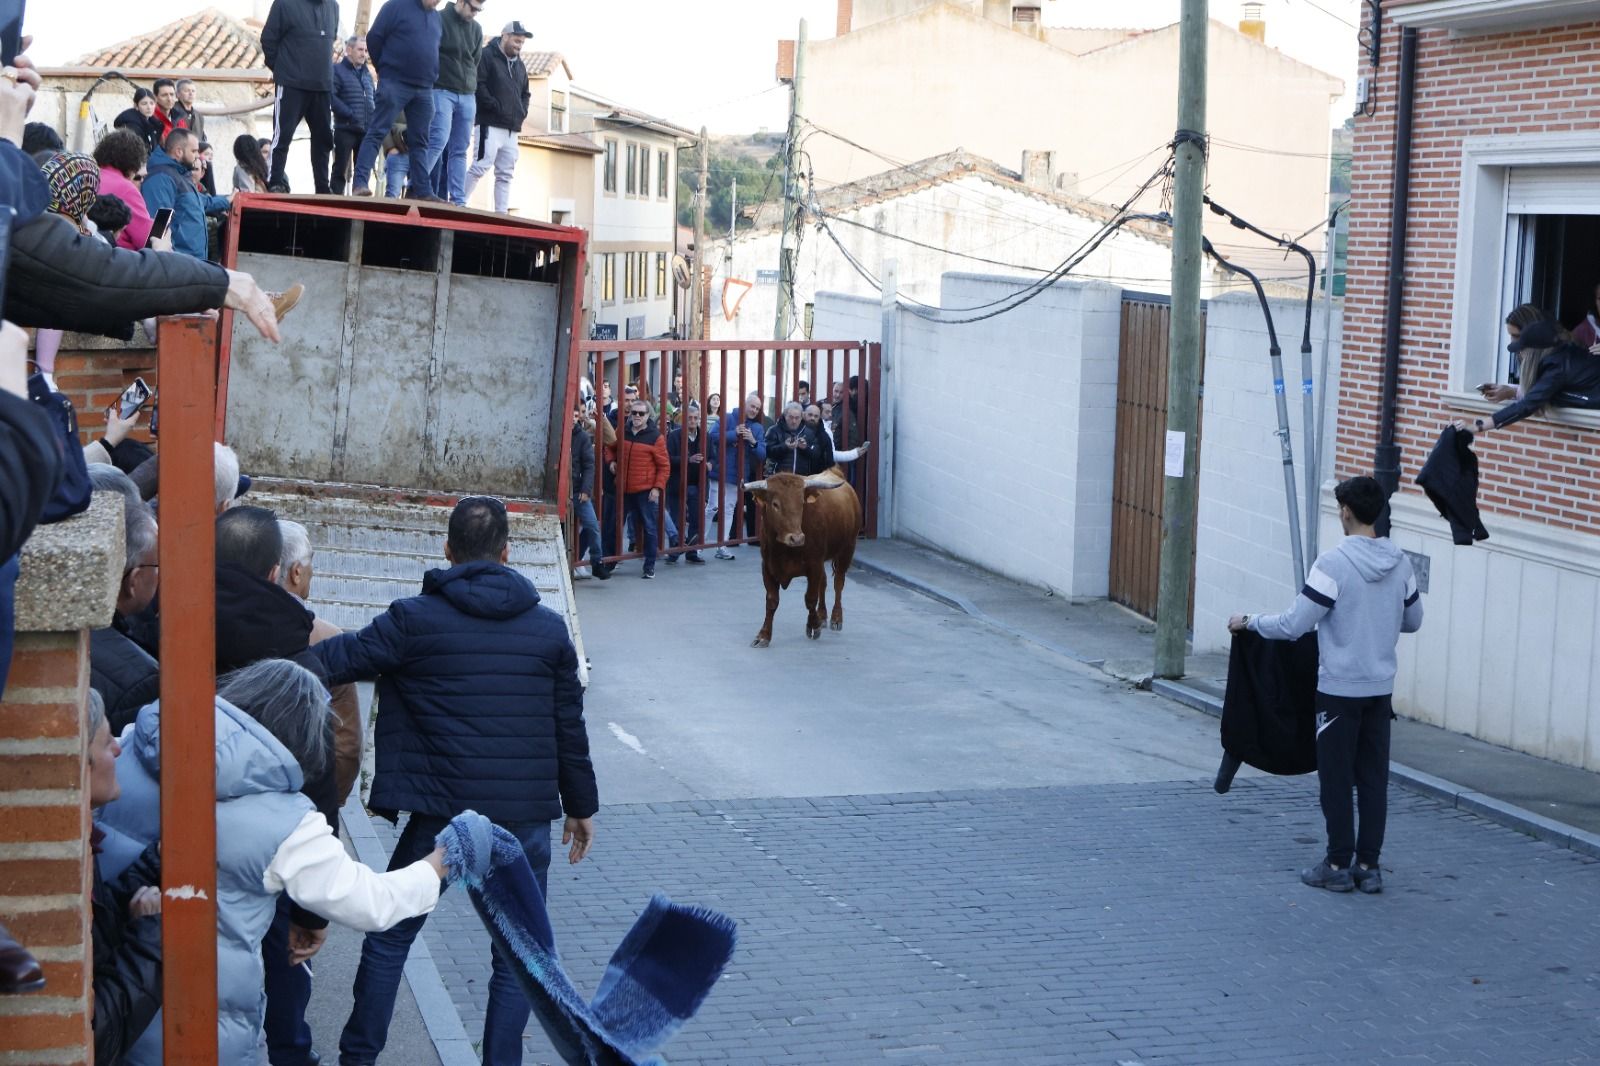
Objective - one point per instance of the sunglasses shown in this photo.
(640, 414)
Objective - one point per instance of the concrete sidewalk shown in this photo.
(1556, 803)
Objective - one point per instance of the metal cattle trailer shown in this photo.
(431, 357)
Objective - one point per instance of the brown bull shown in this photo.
(805, 522)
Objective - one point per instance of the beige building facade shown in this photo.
(910, 79)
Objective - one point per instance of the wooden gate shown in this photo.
(1136, 509)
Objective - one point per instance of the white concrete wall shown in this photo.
(1243, 556)
(1506, 650)
(1033, 501)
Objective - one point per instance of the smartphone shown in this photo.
(159, 223)
(133, 398)
(10, 30)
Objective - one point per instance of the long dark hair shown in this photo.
(247, 153)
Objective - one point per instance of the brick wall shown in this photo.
(44, 826)
(1530, 81)
(93, 371)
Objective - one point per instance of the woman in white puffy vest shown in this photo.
(273, 728)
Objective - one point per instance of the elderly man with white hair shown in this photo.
(295, 571)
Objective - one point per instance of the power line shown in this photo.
(1331, 14)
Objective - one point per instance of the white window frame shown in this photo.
(1478, 324)
(663, 188)
(609, 160)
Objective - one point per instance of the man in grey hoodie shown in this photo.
(1360, 596)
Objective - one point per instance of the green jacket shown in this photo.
(459, 45)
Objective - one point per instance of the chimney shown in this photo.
(1251, 24)
(997, 11)
(846, 11)
(786, 61)
(1025, 19)
(1039, 170)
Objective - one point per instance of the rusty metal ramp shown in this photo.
(369, 553)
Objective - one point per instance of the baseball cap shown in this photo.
(1545, 334)
(516, 29)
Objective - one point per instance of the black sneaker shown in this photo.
(1367, 879)
(672, 559)
(1325, 875)
(648, 574)
(694, 557)
(600, 570)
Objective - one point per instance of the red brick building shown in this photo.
(1503, 209)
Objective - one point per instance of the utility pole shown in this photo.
(733, 214)
(1180, 489)
(791, 202)
(700, 256)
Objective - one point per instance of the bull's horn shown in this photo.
(820, 482)
(756, 486)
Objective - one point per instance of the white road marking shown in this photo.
(627, 738)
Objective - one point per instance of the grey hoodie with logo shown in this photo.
(1360, 596)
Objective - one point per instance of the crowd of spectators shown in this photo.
(670, 489)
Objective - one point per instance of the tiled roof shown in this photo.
(207, 40)
(543, 64)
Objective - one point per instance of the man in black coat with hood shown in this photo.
(502, 108)
(481, 710)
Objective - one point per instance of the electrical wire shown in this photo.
(1011, 301)
(1331, 14)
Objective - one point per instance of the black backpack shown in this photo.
(73, 490)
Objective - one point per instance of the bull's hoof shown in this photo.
(814, 634)
(761, 642)
(836, 625)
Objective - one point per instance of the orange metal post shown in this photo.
(188, 368)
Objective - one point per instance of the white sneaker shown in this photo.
(724, 553)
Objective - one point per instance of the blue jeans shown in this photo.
(288, 991)
(689, 518)
(395, 169)
(393, 97)
(588, 530)
(383, 958)
(448, 141)
(641, 509)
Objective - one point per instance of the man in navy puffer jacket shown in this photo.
(479, 707)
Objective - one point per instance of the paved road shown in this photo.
(946, 845)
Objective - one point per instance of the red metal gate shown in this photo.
(843, 376)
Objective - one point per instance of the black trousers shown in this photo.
(345, 143)
(315, 109)
(1353, 753)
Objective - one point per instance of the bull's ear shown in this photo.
(812, 497)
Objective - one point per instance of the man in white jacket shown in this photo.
(1360, 596)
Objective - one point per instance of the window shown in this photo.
(661, 274)
(1528, 232)
(641, 285)
(558, 111)
(627, 276)
(644, 171)
(633, 168)
(608, 278)
(611, 166)
(662, 167)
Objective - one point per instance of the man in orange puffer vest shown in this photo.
(639, 461)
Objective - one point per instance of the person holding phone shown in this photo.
(1555, 371)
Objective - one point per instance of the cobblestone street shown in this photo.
(1151, 923)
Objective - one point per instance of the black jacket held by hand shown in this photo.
(479, 702)
(1450, 478)
(1269, 711)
